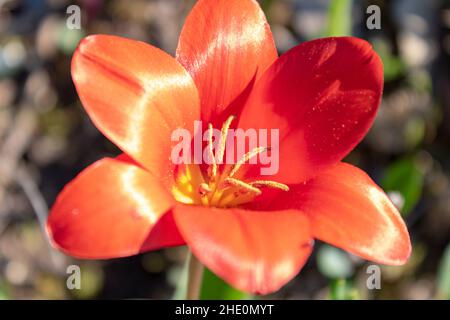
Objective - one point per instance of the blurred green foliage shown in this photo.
(444, 276)
(342, 289)
(68, 39)
(3, 291)
(393, 65)
(339, 18)
(404, 176)
(214, 288)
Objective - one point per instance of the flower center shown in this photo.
(218, 186)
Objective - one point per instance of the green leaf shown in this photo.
(443, 280)
(405, 177)
(415, 131)
(393, 66)
(69, 39)
(265, 5)
(334, 263)
(4, 295)
(339, 18)
(343, 290)
(214, 288)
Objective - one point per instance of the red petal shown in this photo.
(348, 210)
(323, 96)
(136, 95)
(254, 251)
(224, 45)
(112, 209)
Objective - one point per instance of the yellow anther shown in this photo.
(204, 189)
(246, 157)
(243, 186)
(269, 184)
(223, 139)
(212, 170)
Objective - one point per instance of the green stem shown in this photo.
(195, 275)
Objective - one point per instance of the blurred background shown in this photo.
(46, 139)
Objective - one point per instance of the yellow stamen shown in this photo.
(242, 186)
(269, 184)
(204, 189)
(247, 157)
(223, 139)
(218, 187)
(212, 169)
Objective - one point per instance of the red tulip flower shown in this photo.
(254, 233)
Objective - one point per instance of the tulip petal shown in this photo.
(322, 96)
(348, 210)
(136, 95)
(112, 209)
(225, 45)
(254, 251)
